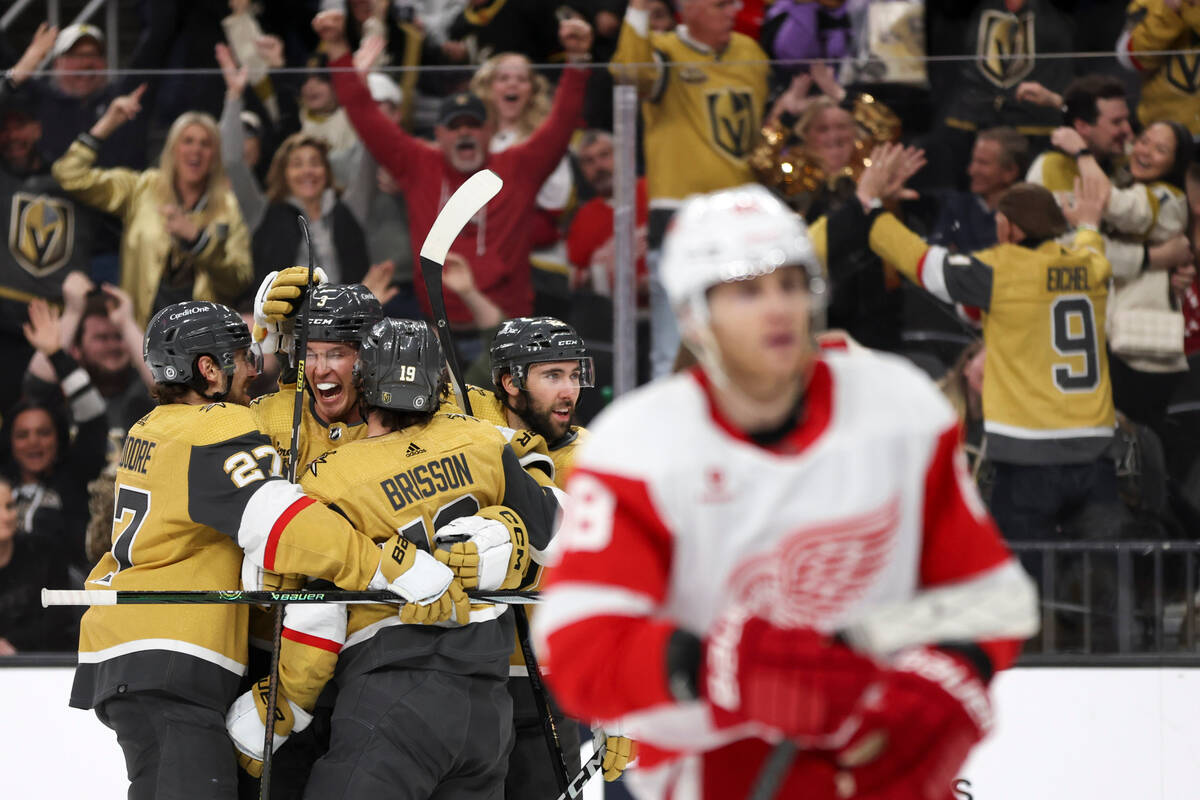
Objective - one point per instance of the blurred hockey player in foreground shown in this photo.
(779, 544)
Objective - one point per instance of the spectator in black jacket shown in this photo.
(27, 564)
(300, 181)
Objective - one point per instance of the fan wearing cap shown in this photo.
(497, 241)
(78, 90)
(726, 521)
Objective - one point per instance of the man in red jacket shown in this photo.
(590, 239)
(497, 241)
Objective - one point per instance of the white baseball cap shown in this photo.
(69, 36)
(383, 89)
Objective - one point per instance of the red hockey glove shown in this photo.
(915, 729)
(796, 680)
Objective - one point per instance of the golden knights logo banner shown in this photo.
(1005, 47)
(733, 120)
(41, 232)
(1183, 69)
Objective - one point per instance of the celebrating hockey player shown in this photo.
(340, 313)
(778, 544)
(421, 708)
(539, 365)
(198, 486)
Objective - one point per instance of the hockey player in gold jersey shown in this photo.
(1047, 402)
(539, 366)
(198, 486)
(340, 312)
(408, 692)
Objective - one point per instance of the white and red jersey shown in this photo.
(675, 516)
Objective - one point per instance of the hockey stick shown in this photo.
(465, 203)
(301, 343)
(106, 597)
(593, 765)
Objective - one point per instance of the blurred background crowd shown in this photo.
(153, 151)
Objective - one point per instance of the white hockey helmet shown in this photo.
(733, 235)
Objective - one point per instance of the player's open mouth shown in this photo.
(561, 414)
(329, 392)
(465, 147)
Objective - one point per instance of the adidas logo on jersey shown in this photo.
(414, 449)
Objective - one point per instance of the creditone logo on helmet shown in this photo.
(179, 334)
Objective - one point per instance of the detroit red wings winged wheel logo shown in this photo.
(816, 572)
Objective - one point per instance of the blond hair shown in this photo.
(538, 107)
(215, 184)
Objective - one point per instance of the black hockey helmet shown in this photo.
(340, 312)
(181, 333)
(399, 366)
(533, 340)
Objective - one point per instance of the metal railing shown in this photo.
(1114, 603)
(53, 15)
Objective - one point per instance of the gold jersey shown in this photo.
(703, 109)
(274, 414)
(413, 482)
(1046, 392)
(196, 487)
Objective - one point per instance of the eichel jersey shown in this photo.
(274, 414)
(196, 487)
(863, 505)
(703, 110)
(412, 481)
(1046, 392)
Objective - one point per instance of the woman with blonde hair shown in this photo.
(300, 181)
(517, 100)
(183, 233)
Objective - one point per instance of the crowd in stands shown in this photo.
(180, 172)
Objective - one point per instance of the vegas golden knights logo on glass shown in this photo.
(1183, 69)
(41, 232)
(731, 115)
(1005, 48)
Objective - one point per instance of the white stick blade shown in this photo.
(465, 203)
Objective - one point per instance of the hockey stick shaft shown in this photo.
(301, 358)
(589, 770)
(542, 698)
(465, 203)
(106, 597)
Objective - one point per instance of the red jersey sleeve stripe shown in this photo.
(312, 641)
(277, 529)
